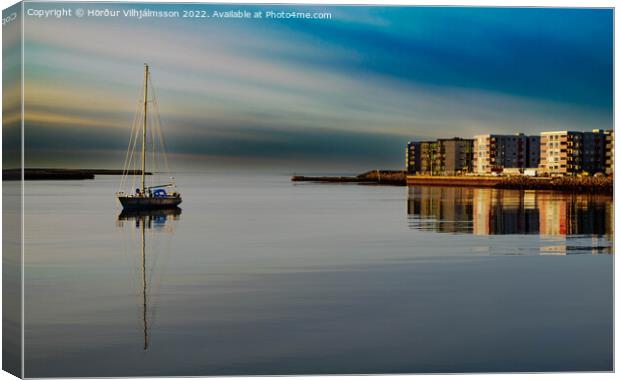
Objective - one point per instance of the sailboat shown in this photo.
(148, 130)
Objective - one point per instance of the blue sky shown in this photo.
(343, 94)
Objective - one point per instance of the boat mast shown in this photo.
(146, 88)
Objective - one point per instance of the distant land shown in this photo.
(31, 174)
(384, 177)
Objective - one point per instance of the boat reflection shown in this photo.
(505, 212)
(160, 222)
(150, 218)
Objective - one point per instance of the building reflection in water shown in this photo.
(503, 212)
(148, 248)
(441, 209)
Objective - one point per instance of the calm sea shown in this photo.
(258, 275)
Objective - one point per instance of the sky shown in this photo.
(345, 93)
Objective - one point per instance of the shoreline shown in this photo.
(34, 174)
(588, 185)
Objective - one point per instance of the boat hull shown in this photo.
(148, 203)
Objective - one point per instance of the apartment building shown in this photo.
(532, 154)
(493, 153)
(430, 162)
(553, 153)
(412, 157)
(456, 155)
(609, 152)
(560, 152)
(442, 157)
(572, 153)
(593, 154)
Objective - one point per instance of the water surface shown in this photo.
(258, 275)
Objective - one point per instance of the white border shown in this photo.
(478, 3)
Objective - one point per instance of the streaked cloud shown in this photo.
(307, 90)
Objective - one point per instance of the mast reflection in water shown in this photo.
(159, 222)
(511, 212)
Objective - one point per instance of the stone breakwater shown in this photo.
(594, 185)
(381, 177)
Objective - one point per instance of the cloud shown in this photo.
(239, 89)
